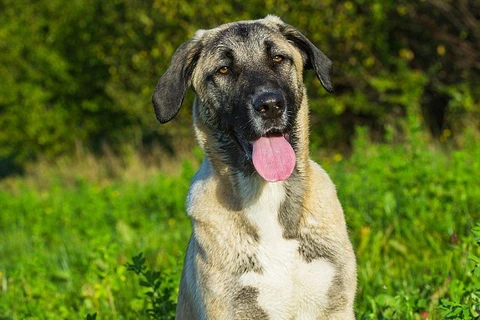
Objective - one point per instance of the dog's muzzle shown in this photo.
(270, 152)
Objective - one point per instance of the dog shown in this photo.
(269, 237)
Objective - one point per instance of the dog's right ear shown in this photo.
(170, 91)
(315, 59)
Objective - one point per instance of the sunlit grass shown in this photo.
(65, 241)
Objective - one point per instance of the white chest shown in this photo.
(288, 287)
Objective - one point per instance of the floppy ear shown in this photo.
(315, 59)
(170, 91)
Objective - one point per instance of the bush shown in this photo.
(85, 77)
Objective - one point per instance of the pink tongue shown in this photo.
(273, 158)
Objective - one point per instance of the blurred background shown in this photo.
(93, 188)
(79, 75)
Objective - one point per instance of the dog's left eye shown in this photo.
(278, 58)
(223, 70)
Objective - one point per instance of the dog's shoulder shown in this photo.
(320, 182)
(201, 187)
(321, 200)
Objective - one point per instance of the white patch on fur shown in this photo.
(288, 286)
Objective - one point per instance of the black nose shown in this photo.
(269, 105)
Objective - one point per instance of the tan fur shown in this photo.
(229, 250)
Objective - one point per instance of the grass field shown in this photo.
(66, 238)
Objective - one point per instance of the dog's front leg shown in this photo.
(204, 293)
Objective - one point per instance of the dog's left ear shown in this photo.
(172, 86)
(315, 59)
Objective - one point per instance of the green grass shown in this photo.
(66, 249)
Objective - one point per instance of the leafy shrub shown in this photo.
(160, 291)
(85, 78)
(464, 296)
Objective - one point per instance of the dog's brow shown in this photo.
(269, 44)
(273, 49)
(226, 52)
(219, 51)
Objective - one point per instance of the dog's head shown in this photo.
(248, 77)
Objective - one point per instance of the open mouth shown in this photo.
(272, 155)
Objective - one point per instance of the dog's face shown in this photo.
(248, 77)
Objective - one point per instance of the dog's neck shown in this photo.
(248, 186)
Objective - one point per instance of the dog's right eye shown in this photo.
(223, 70)
(278, 58)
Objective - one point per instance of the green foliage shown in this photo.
(464, 297)
(91, 316)
(410, 210)
(85, 77)
(64, 249)
(160, 290)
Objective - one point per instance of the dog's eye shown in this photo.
(278, 58)
(223, 70)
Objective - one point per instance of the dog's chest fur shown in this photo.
(285, 285)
